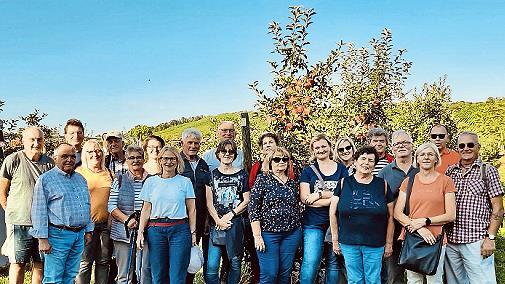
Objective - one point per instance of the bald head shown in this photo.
(33, 142)
(64, 157)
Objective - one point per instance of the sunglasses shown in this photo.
(279, 159)
(440, 136)
(470, 145)
(346, 148)
(229, 152)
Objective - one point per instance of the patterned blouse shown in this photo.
(274, 204)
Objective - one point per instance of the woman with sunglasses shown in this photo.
(275, 216)
(317, 183)
(344, 151)
(99, 180)
(227, 198)
(362, 231)
(432, 204)
(152, 146)
(169, 218)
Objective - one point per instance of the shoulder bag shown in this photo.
(416, 254)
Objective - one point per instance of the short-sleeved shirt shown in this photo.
(228, 190)
(428, 199)
(22, 174)
(320, 215)
(473, 202)
(210, 158)
(448, 157)
(99, 185)
(394, 176)
(275, 205)
(167, 196)
(363, 212)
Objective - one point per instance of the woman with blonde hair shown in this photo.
(344, 152)
(317, 182)
(275, 216)
(432, 204)
(169, 218)
(99, 180)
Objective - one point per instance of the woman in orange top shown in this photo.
(432, 204)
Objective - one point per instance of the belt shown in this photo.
(68, 228)
(166, 224)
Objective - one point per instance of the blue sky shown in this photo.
(115, 64)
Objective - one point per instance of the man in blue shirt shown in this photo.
(394, 173)
(61, 217)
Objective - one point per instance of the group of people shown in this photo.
(137, 214)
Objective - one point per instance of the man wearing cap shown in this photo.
(61, 217)
(225, 131)
(74, 135)
(18, 175)
(115, 160)
(440, 137)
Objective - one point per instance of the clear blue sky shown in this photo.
(115, 64)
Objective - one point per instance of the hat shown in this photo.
(196, 260)
(113, 133)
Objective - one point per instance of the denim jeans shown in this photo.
(98, 251)
(169, 253)
(464, 264)
(122, 253)
(313, 248)
(62, 264)
(214, 258)
(276, 262)
(363, 263)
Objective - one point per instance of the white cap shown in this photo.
(196, 260)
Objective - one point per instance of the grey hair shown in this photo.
(191, 132)
(469, 133)
(398, 133)
(378, 131)
(26, 130)
(134, 148)
(57, 149)
(428, 145)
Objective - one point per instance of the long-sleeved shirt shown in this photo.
(61, 199)
(275, 205)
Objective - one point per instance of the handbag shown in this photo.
(416, 254)
(218, 238)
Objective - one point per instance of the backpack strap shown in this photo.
(319, 176)
(483, 174)
(406, 210)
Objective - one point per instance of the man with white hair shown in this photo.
(394, 173)
(479, 214)
(225, 131)
(18, 175)
(197, 170)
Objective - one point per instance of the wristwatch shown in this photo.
(490, 236)
(428, 221)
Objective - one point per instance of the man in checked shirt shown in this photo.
(479, 214)
(61, 217)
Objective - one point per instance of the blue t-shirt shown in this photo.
(362, 212)
(167, 196)
(320, 215)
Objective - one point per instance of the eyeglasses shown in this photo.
(166, 159)
(402, 143)
(71, 157)
(229, 152)
(440, 136)
(131, 158)
(94, 152)
(346, 148)
(279, 159)
(227, 130)
(154, 147)
(470, 145)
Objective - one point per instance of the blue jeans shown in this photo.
(363, 263)
(313, 248)
(169, 253)
(62, 264)
(276, 262)
(214, 258)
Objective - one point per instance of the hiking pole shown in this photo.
(132, 255)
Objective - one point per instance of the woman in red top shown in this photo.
(432, 204)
